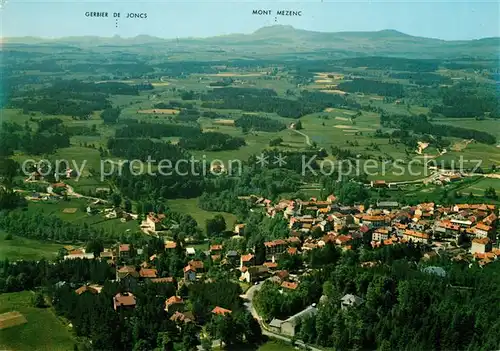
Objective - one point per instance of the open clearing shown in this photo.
(43, 332)
(478, 188)
(333, 92)
(190, 206)
(342, 118)
(342, 126)
(461, 145)
(161, 111)
(226, 122)
(70, 210)
(162, 84)
(26, 249)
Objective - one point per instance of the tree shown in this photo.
(96, 246)
(275, 141)
(116, 199)
(216, 225)
(490, 193)
(39, 300)
(189, 339)
(110, 115)
(127, 204)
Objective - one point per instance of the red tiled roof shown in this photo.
(196, 264)
(148, 272)
(215, 247)
(482, 241)
(127, 299)
(76, 252)
(171, 245)
(85, 288)
(292, 250)
(189, 268)
(289, 285)
(247, 258)
(173, 300)
(220, 311)
(416, 234)
(270, 264)
(124, 247)
(484, 227)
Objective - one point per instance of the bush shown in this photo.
(39, 300)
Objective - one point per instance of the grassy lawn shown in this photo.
(275, 346)
(80, 216)
(44, 331)
(21, 248)
(190, 206)
(491, 126)
(479, 187)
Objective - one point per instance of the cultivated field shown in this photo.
(42, 332)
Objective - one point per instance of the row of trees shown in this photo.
(156, 130)
(211, 141)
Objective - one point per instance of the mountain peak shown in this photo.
(275, 29)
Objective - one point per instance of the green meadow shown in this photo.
(44, 331)
(26, 249)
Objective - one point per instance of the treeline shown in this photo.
(422, 78)
(38, 225)
(211, 141)
(390, 63)
(420, 125)
(224, 201)
(142, 148)
(27, 275)
(55, 125)
(16, 137)
(70, 97)
(76, 105)
(469, 100)
(250, 122)
(266, 100)
(174, 105)
(368, 86)
(156, 130)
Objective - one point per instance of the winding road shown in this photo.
(308, 140)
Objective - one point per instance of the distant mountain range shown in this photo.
(280, 39)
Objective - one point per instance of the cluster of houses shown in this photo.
(312, 225)
(315, 223)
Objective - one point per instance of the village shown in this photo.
(463, 232)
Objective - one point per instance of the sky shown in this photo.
(449, 20)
